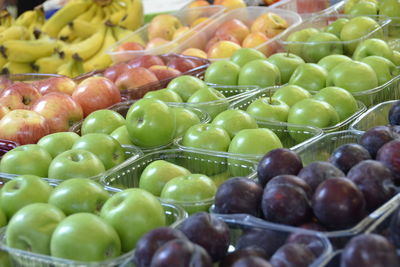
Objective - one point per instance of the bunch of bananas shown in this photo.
(73, 41)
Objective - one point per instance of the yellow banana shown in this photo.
(5, 18)
(107, 11)
(84, 29)
(14, 33)
(49, 64)
(39, 20)
(116, 17)
(134, 15)
(127, 35)
(72, 68)
(88, 47)
(28, 51)
(101, 59)
(26, 18)
(66, 34)
(89, 13)
(3, 61)
(99, 17)
(66, 14)
(12, 67)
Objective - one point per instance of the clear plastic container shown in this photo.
(187, 16)
(246, 15)
(174, 215)
(375, 116)
(305, 8)
(267, 92)
(214, 165)
(282, 130)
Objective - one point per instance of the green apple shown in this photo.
(165, 95)
(223, 72)
(329, 62)
(309, 76)
(244, 55)
(336, 26)
(85, 237)
(363, 8)
(3, 221)
(295, 40)
(373, 47)
(5, 259)
(157, 174)
(291, 94)
(340, 99)
(321, 45)
(356, 28)
(150, 123)
(185, 118)
(122, 136)
(26, 159)
(75, 163)
(384, 68)
(57, 143)
(105, 147)
(79, 195)
(220, 178)
(396, 58)
(186, 85)
(313, 112)
(348, 5)
(133, 212)
(234, 120)
(354, 76)
(390, 8)
(190, 188)
(22, 191)
(209, 100)
(286, 63)
(102, 121)
(32, 226)
(259, 72)
(269, 109)
(207, 136)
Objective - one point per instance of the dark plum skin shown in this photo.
(236, 255)
(311, 241)
(239, 195)
(286, 204)
(208, 231)
(389, 155)
(293, 180)
(394, 229)
(266, 240)
(395, 129)
(181, 253)
(153, 240)
(375, 182)
(373, 139)
(252, 261)
(369, 250)
(317, 172)
(292, 255)
(348, 155)
(338, 203)
(276, 162)
(394, 114)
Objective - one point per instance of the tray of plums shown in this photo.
(207, 240)
(338, 184)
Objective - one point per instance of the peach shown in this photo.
(222, 49)
(197, 21)
(216, 39)
(156, 42)
(194, 52)
(163, 26)
(230, 4)
(181, 31)
(198, 3)
(255, 39)
(270, 24)
(233, 27)
(128, 46)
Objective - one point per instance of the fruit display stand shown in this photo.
(6, 145)
(187, 16)
(343, 125)
(213, 165)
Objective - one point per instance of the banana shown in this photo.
(66, 14)
(99, 17)
(89, 13)
(26, 18)
(134, 15)
(28, 51)
(49, 64)
(3, 61)
(101, 59)
(66, 34)
(14, 33)
(88, 47)
(5, 18)
(84, 29)
(127, 35)
(116, 17)
(12, 67)
(73, 68)
(39, 20)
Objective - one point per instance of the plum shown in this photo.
(394, 114)
(208, 231)
(312, 241)
(252, 261)
(375, 182)
(153, 240)
(338, 203)
(317, 172)
(239, 195)
(376, 137)
(389, 155)
(292, 255)
(287, 179)
(346, 156)
(232, 257)
(369, 250)
(276, 162)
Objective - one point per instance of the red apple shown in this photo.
(23, 126)
(4, 83)
(3, 111)
(134, 78)
(145, 61)
(56, 84)
(113, 72)
(19, 96)
(60, 110)
(129, 46)
(182, 64)
(96, 93)
(164, 72)
(221, 37)
(235, 28)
